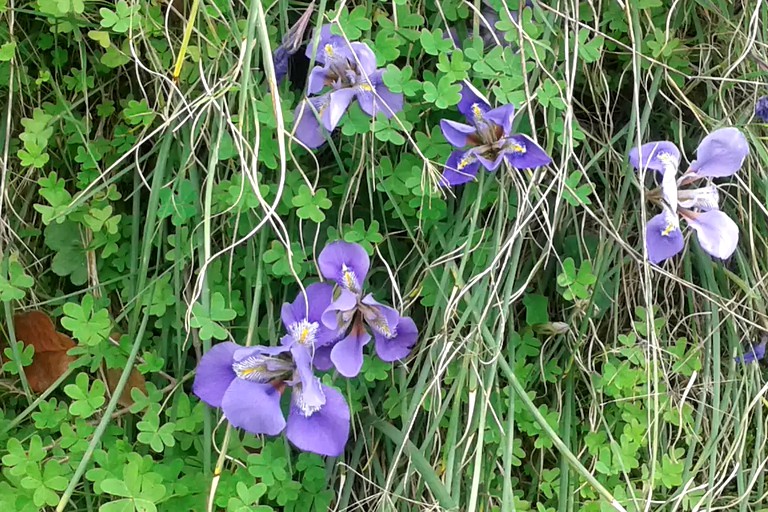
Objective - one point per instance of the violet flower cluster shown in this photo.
(720, 154)
(487, 140)
(346, 72)
(327, 326)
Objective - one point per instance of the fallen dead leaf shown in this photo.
(135, 380)
(51, 359)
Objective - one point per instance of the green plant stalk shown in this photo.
(15, 352)
(420, 463)
(561, 446)
(105, 419)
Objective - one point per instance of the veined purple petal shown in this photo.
(347, 354)
(400, 345)
(461, 168)
(663, 237)
(523, 153)
(456, 133)
(337, 316)
(502, 116)
(253, 407)
(214, 374)
(472, 105)
(326, 431)
(718, 235)
(380, 318)
(658, 156)
(261, 364)
(307, 128)
(346, 263)
(721, 153)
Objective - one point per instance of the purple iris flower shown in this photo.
(761, 109)
(349, 70)
(352, 313)
(308, 338)
(720, 154)
(490, 140)
(290, 44)
(756, 354)
(247, 383)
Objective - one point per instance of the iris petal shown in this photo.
(326, 431)
(718, 235)
(721, 153)
(214, 374)
(655, 155)
(663, 237)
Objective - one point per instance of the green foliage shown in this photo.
(130, 206)
(85, 400)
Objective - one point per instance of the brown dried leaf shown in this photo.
(135, 380)
(50, 360)
(36, 328)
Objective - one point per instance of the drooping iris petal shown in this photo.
(721, 153)
(491, 165)
(461, 167)
(718, 235)
(382, 319)
(387, 102)
(471, 103)
(346, 263)
(522, 152)
(307, 128)
(347, 354)
(756, 354)
(339, 313)
(399, 346)
(214, 374)
(253, 407)
(655, 155)
(326, 431)
(339, 103)
(456, 133)
(502, 116)
(663, 237)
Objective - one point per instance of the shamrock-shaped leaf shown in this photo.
(310, 206)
